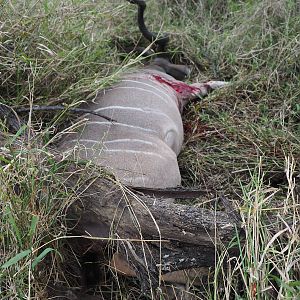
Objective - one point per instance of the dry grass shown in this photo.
(242, 141)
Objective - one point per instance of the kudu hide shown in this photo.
(141, 144)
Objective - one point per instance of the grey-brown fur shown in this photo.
(141, 147)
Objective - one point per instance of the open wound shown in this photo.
(178, 86)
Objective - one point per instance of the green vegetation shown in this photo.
(243, 141)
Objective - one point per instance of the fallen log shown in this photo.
(156, 235)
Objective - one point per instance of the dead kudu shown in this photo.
(141, 145)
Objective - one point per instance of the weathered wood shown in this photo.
(155, 235)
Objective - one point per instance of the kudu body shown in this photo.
(141, 145)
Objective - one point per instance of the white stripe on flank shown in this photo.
(147, 111)
(118, 150)
(150, 85)
(111, 142)
(129, 141)
(122, 107)
(78, 141)
(134, 152)
(121, 124)
(141, 89)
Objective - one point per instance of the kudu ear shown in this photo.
(179, 72)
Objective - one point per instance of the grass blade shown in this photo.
(15, 259)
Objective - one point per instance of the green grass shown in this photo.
(242, 141)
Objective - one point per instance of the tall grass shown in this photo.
(242, 141)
